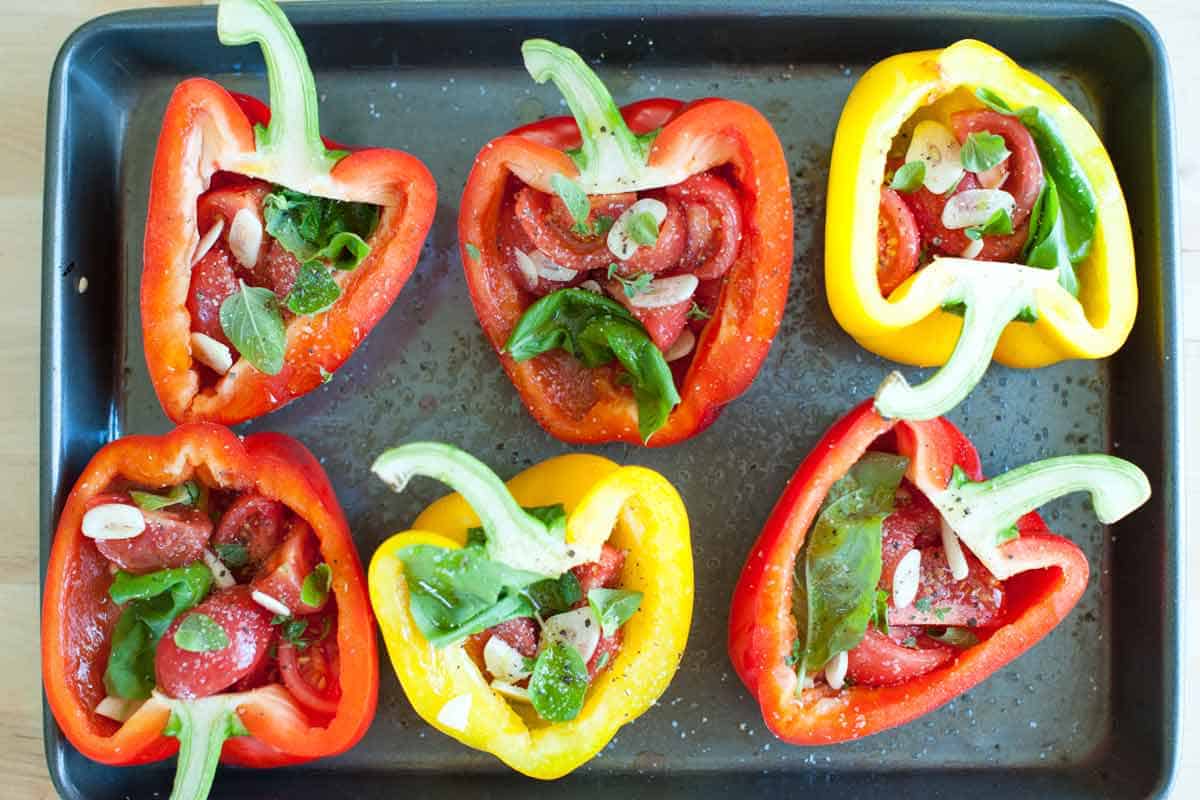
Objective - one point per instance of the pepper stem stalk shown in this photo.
(291, 144)
(612, 154)
(514, 537)
(981, 513)
(992, 294)
(201, 726)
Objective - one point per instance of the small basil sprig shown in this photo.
(251, 319)
(559, 683)
(834, 593)
(998, 224)
(1077, 199)
(632, 287)
(909, 177)
(317, 228)
(186, 493)
(598, 330)
(314, 291)
(613, 607)
(982, 150)
(200, 633)
(316, 585)
(154, 601)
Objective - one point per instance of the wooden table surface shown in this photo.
(30, 35)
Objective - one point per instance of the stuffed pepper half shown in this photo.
(268, 256)
(532, 621)
(203, 595)
(891, 577)
(630, 265)
(972, 212)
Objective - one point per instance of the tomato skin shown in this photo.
(899, 242)
(520, 633)
(722, 222)
(603, 573)
(226, 200)
(311, 674)
(282, 574)
(186, 675)
(879, 661)
(172, 538)
(254, 521)
(547, 223)
(214, 280)
(663, 324)
(927, 208)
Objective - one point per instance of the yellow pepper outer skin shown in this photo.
(646, 517)
(910, 326)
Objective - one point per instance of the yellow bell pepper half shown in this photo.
(910, 325)
(634, 509)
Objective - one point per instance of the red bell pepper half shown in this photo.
(819, 630)
(268, 257)
(177, 638)
(630, 266)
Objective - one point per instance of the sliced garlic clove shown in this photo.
(835, 670)
(934, 143)
(208, 240)
(975, 207)
(528, 269)
(245, 237)
(973, 249)
(511, 691)
(578, 629)
(503, 661)
(270, 603)
(113, 521)
(549, 270)
(906, 580)
(591, 286)
(211, 353)
(664, 292)
(682, 346)
(954, 552)
(222, 577)
(456, 713)
(620, 243)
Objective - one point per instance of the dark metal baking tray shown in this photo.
(1090, 712)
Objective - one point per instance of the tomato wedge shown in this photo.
(714, 225)
(282, 575)
(878, 660)
(172, 538)
(255, 522)
(311, 674)
(214, 280)
(899, 242)
(547, 222)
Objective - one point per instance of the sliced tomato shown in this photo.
(512, 237)
(311, 674)
(899, 242)
(663, 324)
(665, 253)
(257, 523)
(172, 538)
(224, 202)
(927, 208)
(606, 652)
(214, 280)
(283, 573)
(548, 224)
(878, 660)
(603, 573)
(184, 674)
(714, 225)
(521, 634)
(914, 522)
(976, 600)
(277, 271)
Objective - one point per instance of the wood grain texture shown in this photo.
(30, 35)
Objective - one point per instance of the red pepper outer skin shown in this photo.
(390, 178)
(708, 133)
(762, 628)
(78, 617)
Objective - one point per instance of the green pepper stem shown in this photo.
(992, 294)
(201, 726)
(612, 154)
(514, 537)
(980, 512)
(293, 138)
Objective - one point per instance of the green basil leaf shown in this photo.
(642, 228)
(982, 150)
(957, 637)
(456, 593)
(1047, 245)
(553, 517)
(200, 633)
(154, 601)
(998, 224)
(555, 595)
(573, 197)
(472, 252)
(558, 684)
(613, 607)
(556, 320)
(696, 312)
(292, 630)
(923, 605)
(186, 493)
(309, 227)
(879, 619)
(250, 318)
(636, 285)
(1077, 199)
(603, 224)
(909, 177)
(314, 291)
(316, 585)
(837, 572)
(233, 554)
